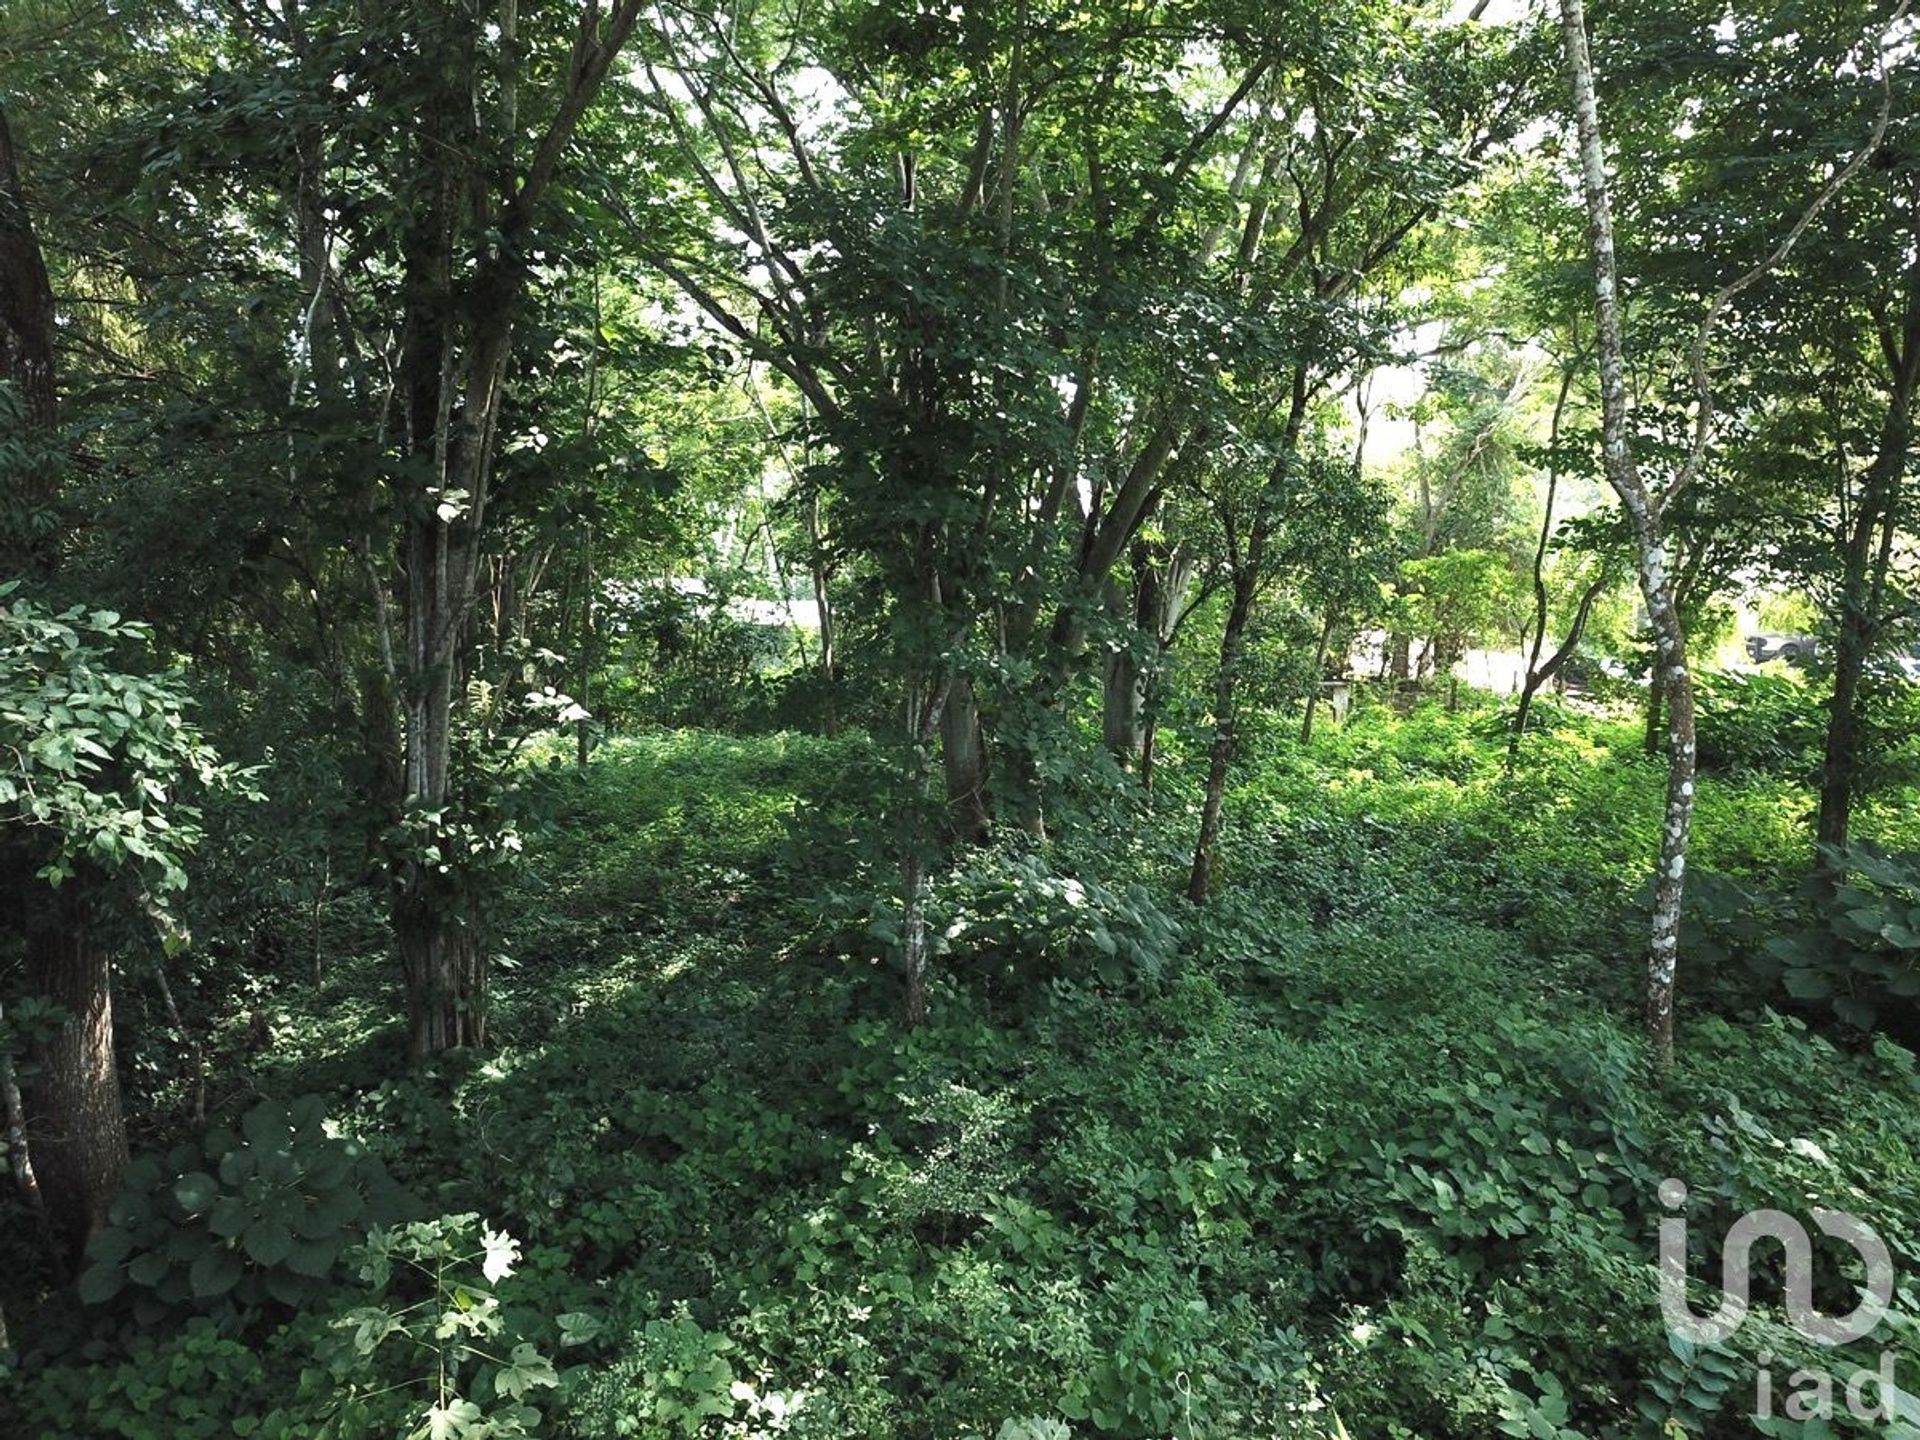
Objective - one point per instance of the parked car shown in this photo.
(1794, 649)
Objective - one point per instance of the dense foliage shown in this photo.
(1013, 720)
(1367, 1144)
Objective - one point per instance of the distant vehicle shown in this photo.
(1794, 649)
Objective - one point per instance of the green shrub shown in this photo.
(1859, 956)
(1758, 724)
(1017, 917)
(194, 1385)
(239, 1223)
(672, 1378)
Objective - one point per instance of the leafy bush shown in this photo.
(671, 1379)
(1860, 955)
(1759, 724)
(93, 753)
(239, 1222)
(193, 1385)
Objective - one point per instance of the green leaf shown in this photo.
(525, 1369)
(1855, 1011)
(265, 1126)
(195, 1192)
(269, 1242)
(313, 1257)
(228, 1217)
(1806, 984)
(217, 1271)
(101, 1282)
(449, 1421)
(109, 1246)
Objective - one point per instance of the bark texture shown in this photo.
(1643, 512)
(77, 1132)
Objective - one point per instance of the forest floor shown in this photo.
(1370, 1146)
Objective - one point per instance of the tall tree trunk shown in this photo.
(1643, 513)
(926, 710)
(583, 727)
(1867, 561)
(1539, 673)
(963, 755)
(1161, 609)
(1536, 674)
(1124, 679)
(914, 891)
(454, 368)
(1655, 729)
(1840, 761)
(823, 604)
(74, 1127)
(1220, 755)
(19, 1158)
(78, 1134)
(1122, 696)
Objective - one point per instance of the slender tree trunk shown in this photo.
(1655, 729)
(78, 1134)
(319, 905)
(19, 1157)
(1538, 674)
(963, 754)
(582, 728)
(1220, 755)
(1317, 678)
(1161, 610)
(196, 1055)
(823, 603)
(926, 711)
(1643, 512)
(1867, 562)
(1534, 679)
(1124, 681)
(1122, 724)
(914, 890)
(1841, 759)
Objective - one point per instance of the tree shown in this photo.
(1751, 108)
(95, 758)
(1647, 508)
(1339, 204)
